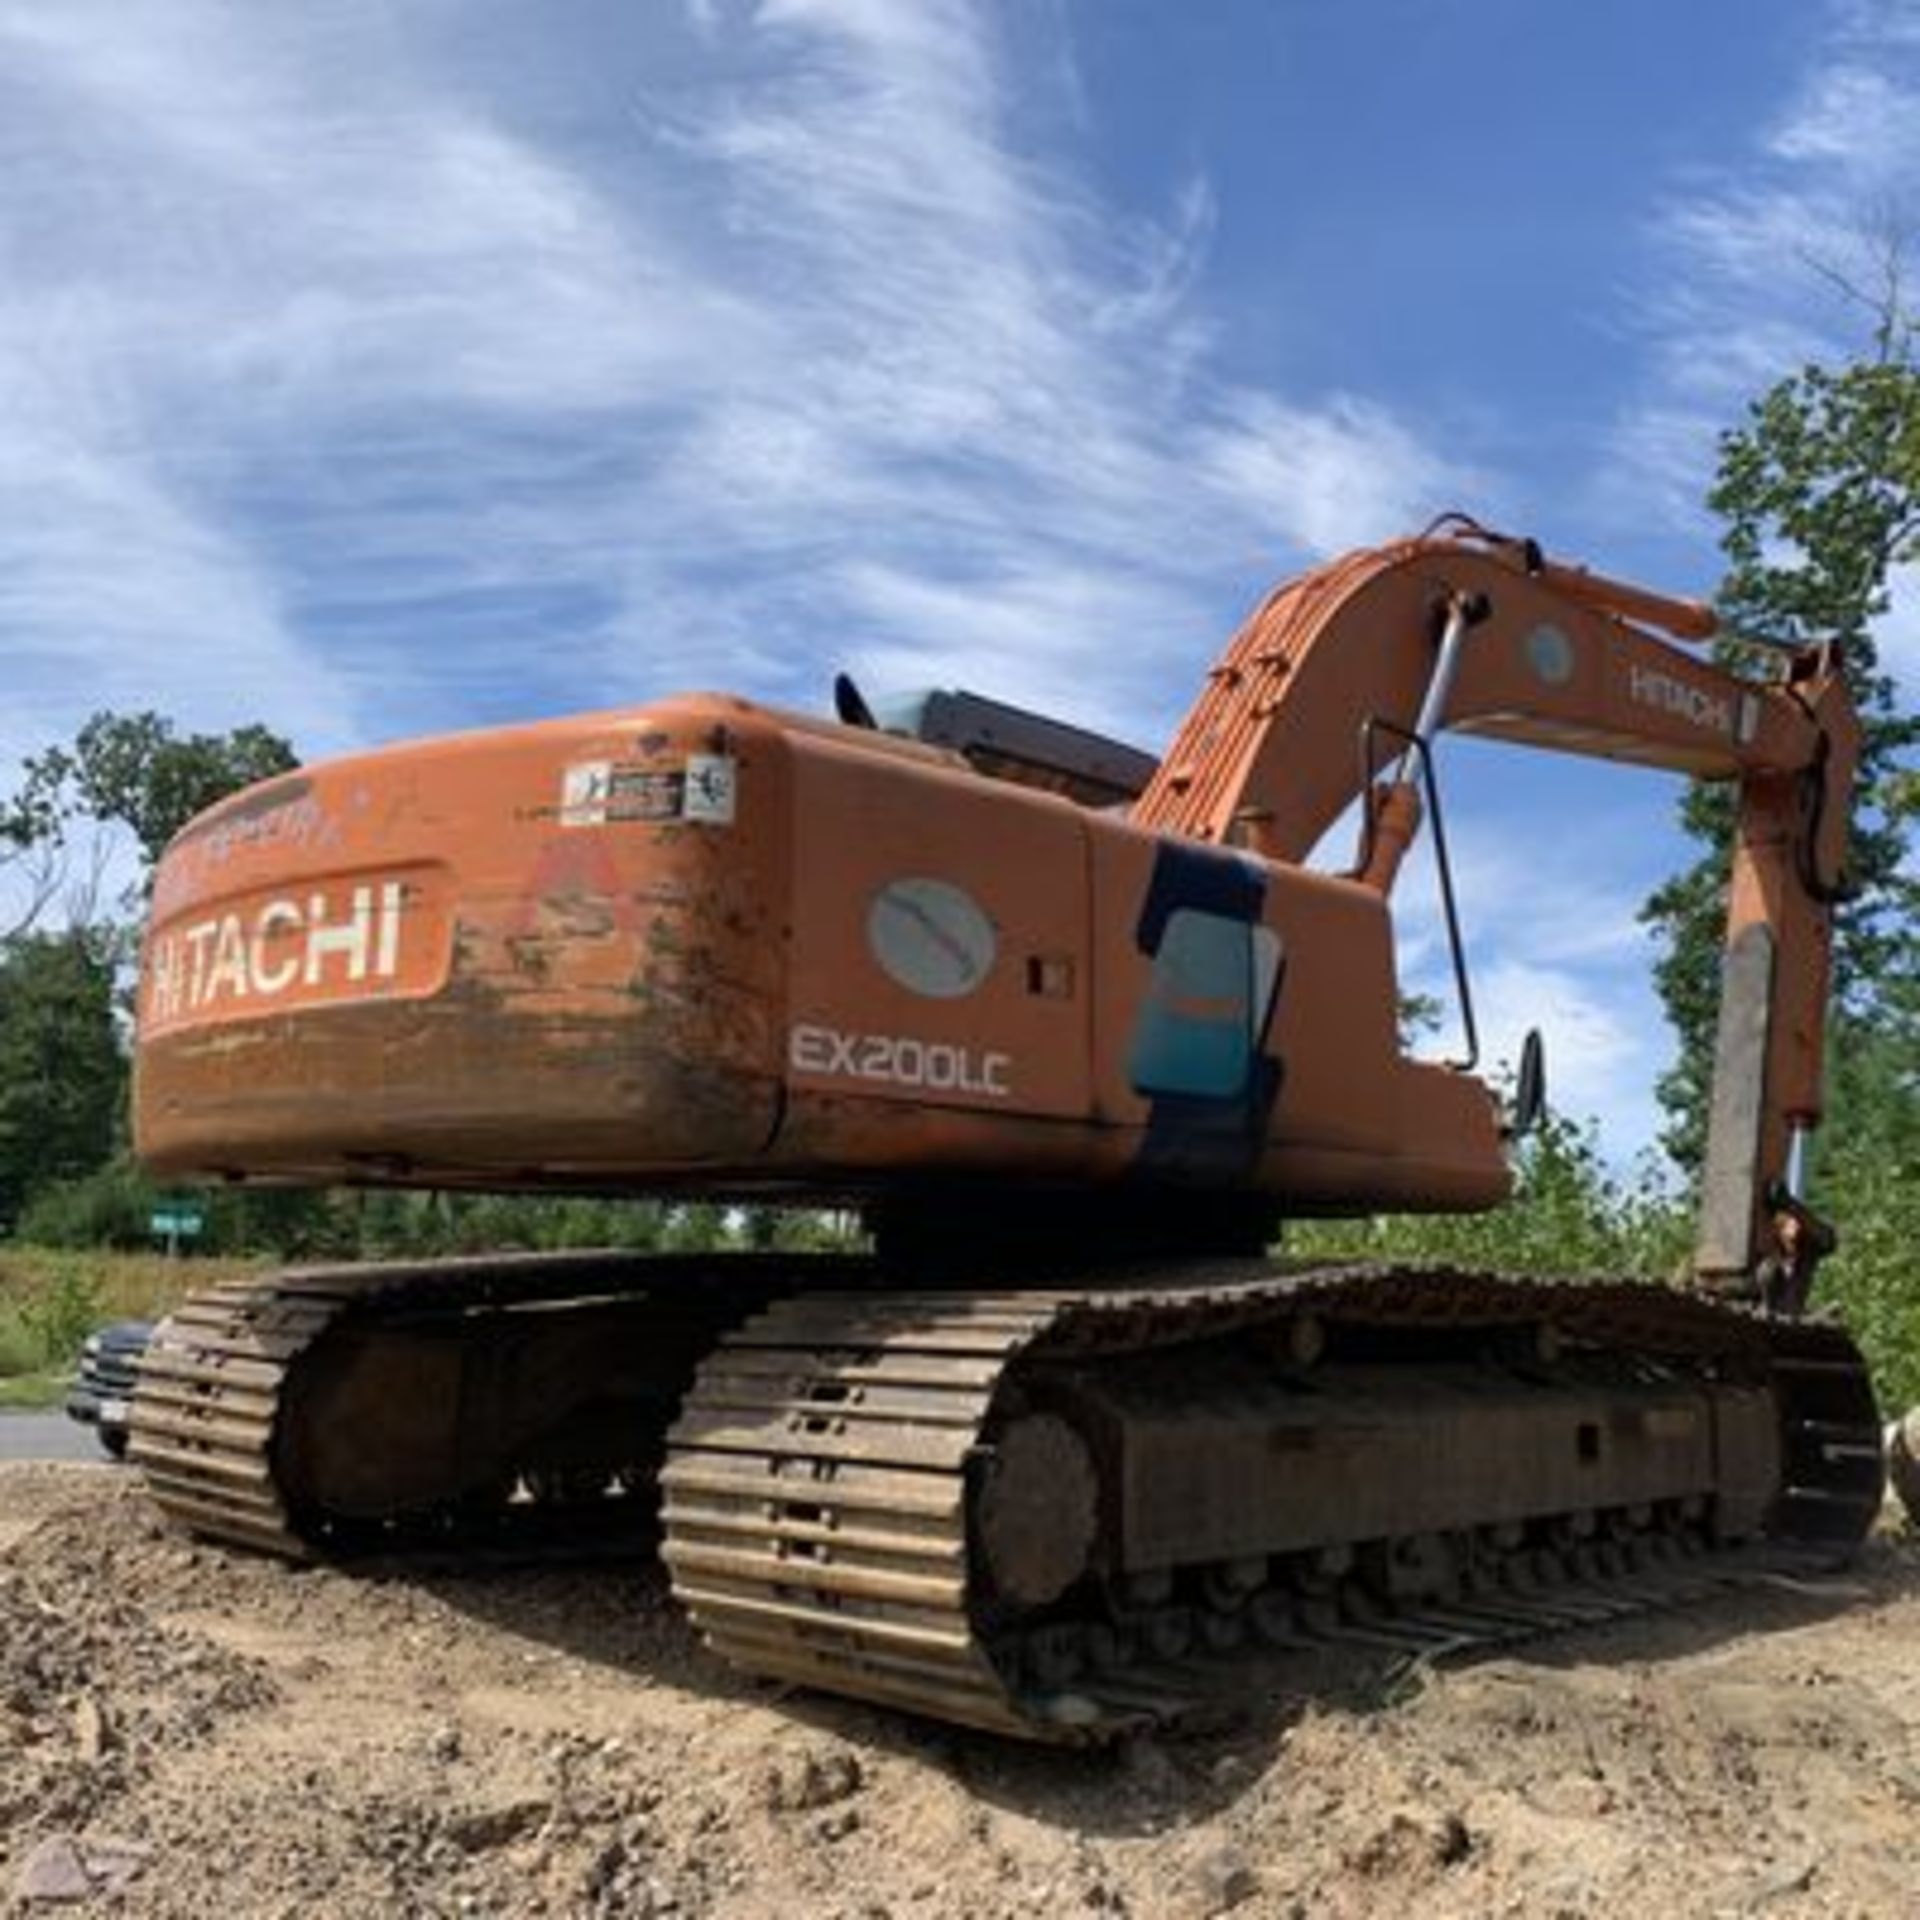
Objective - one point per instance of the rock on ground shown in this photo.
(224, 1732)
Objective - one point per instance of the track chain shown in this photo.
(219, 1380)
(817, 1488)
(817, 1494)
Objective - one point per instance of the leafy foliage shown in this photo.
(1568, 1215)
(113, 1205)
(63, 1314)
(1867, 1177)
(41, 1332)
(133, 770)
(62, 1069)
(62, 1074)
(1820, 493)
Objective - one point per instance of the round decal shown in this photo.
(1550, 655)
(931, 937)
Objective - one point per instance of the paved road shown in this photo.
(46, 1436)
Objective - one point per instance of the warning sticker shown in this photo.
(598, 793)
(646, 793)
(710, 785)
(583, 794)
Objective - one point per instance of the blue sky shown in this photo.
(373, 369)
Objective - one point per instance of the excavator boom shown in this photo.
(1480, 634)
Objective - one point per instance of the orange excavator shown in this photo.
(1076, 1033)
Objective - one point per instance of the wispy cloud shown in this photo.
(368, 369)
(1605, 1046)
(372, 370)
(1774, 259)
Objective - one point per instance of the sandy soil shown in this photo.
(212, 1733)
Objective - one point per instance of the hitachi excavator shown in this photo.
(1075, 1033)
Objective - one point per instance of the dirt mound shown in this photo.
(94, 1690)
(554, 1742)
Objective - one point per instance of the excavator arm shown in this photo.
(1464, 630)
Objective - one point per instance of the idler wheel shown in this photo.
(1037, 1509)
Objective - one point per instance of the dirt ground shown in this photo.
(206, 1732)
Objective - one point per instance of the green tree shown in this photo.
(1819, 490)
(132, 772)
(62, 1072)
(1866, 1175)
(62, 1065)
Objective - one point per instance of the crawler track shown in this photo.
(249, 1426)
(824, 1489)
(831, 1457)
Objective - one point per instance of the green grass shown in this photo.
(33, 1392)
(51, 1300)
(127, 1286)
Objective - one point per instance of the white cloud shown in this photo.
(1549, 907)
(1054, 639)
(1857, 118)
(1336, 475)
(1772, 261)
(347, 376)
(1603, 1051)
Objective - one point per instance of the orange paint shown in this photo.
(704, 945)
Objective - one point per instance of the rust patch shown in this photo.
(587, 1089)
(570, 870)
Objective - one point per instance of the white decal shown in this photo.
(603, 793)
(275, 914)
(931, 937)
(583, 794)
(282, 944)
(228, 974)
(899, 1061)
(710, 788)
(1655, 689)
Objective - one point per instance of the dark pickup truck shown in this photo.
(102, 1391)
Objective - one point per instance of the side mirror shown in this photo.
(1529, 1088)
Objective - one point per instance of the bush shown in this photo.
(1870, 1280)
(62, 1316)
(1568, 1214)
(42, 1331)
(20, 1350)
(111, 1207)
